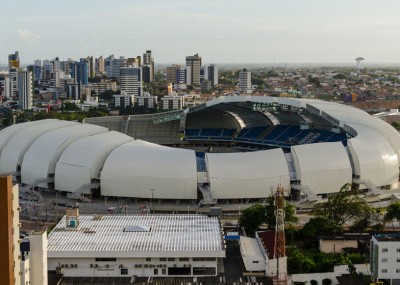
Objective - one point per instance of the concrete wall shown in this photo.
(336, 246)
(38, 257)
(87, 266)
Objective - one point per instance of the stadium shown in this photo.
(225, 150)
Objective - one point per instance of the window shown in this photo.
(124, 271)
(398, 260)
(106, 259)
(171, 259)
(203, 259)
(384, 259)
(384, 270)
(163, 259)
(148, 259)
(255, 261)
(384, 249)
(164, 271)
(397, 270)
(183, 259)
(398, 250)
(155, 271)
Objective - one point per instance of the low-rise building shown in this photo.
(124, 100)
(147, 100)
(136, 245)
(385, 258)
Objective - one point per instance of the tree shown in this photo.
(252, 218)
(392, 212)
(298, 262)
(342, 207)
(319, 226)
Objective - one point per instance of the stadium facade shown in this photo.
(238, 147)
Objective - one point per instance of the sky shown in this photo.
(220, 31)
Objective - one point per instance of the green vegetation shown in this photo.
(312, 261)
(392, 212)
(343, 206)
(254, 216)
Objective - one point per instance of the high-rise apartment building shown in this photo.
(213, 74)
(193, 64)
(13, 76)
(244, 80)
(25, 89)
(13, 60)
(148, 61)
(79, 72)
(90, 63)
(37, 70)
(9, 219)
(113, 65)
(100, 65)
(203, 73)
(131, 80)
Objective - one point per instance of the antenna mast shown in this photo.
(280, 242)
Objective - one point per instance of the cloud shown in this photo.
(27, 36)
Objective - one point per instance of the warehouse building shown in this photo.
(135, 245)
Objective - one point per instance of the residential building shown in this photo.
(73, 91)
(100, 65)
(244, 80)
(13, 60)
(79, 72)
(47, 69)
(9, 220)
(213, 74)
(203, 73)
(193, 64)
(173, 102)
(37, 70)
(147, 100)
(131, 80)
(146, 73)
(13, 76)
(124, 100)
(113, 65)
(146, 245)
(149, 62)
(5, 88)
(91, 66)
(176, 74)
(25, 89)
(385, 258)
(205, 85)
(103, 86)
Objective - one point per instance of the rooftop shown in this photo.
(159, 233)
(387, 237)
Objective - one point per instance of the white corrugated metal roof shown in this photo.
(167, 233)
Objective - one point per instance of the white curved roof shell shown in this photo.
(84, 158)
(323, 167)
(373, 157)
(134, 168)
(41, 158)
(247, 174)
(14, 151)
(7, 133)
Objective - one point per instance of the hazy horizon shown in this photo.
(230, 31)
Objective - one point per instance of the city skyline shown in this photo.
(306, 31)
